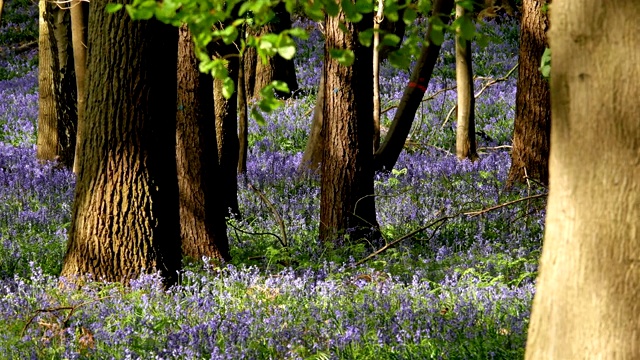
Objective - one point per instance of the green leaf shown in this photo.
(364, 6)
(228, 87)
(280, 86)
(300, 33)
(467, 28)
(112, 8)
(219, 70)
(437, 36)
(545, 63)
(286, 46)
(256, 115)
(365, 37)
(390, 40)
(409, 16)
(331, 7)
(399, 59)
(350, 11)
(343, 56)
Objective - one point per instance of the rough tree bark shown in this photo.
(346, 200)
(387, 155)
(57, 103)
(243, 121)
(203, 229)
(125, 217)
(532, 126)
(586, 302)
(466, 128)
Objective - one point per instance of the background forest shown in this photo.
(451, 277)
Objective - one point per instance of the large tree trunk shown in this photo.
(226, 117)
(466, 127)
(389, 151)
(588, 290)
(57, 104)
(79, 11)
(203, 228)
(259, 74)
(346, 200)
(125, 218)
(531, 133)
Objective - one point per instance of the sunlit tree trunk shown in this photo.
(203, 227)
(79, 10)
(531, 133)
(346, 200)
(466, 129)
(57, 104)
(312, 156)
(586, 302)
(125, 218)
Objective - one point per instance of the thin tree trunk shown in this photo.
(466, 129)
(1, 9)
(79, 39)
(57, 118)
(125, 218)
(586, 301)
(312, 156)
(532, 126)
(347, 205)
(47, 142)
(243, 121)
(203, 227)
(387, 155)
(377, 19)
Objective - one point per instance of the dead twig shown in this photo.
(275, 213)
(480, 212)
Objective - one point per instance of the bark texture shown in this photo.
(125, 218)
(387, 155)
(243, 121)
(586, 302)
(466, 128)
(57, 116)
(203, 228)
(532, 126)
(346, 199)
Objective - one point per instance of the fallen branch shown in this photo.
(440, 222)
(479, 212)
(275, 213)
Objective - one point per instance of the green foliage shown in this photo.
(545, 66)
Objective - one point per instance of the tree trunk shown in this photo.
(226, 120)
(387, 155)
(466, 128)
(57, 118)
(203, 228)
(531, 133)
(47, 142)
(312, 156)
(243, 121)
(588, 289)
(79, 11)
(347, 204)
(258, 74)
(125, 218)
